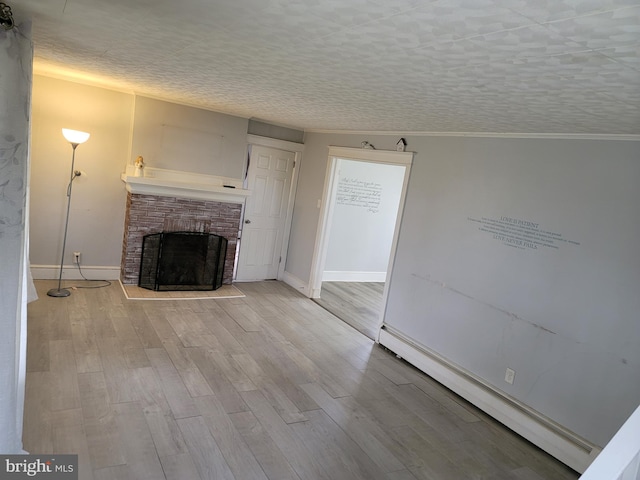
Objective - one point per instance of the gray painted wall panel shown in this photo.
(177, 137)
(96, 219)
(565, 319)
(264, 129)
(120, 131)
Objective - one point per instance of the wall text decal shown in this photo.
(519, 233)
(353, 192)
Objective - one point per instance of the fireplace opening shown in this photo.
(182, 261)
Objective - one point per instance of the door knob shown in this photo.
(247, 221)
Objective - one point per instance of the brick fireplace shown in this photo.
(167, 201)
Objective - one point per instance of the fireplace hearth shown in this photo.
(182, 261)
(174, 201)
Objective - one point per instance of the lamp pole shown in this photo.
(75, 138)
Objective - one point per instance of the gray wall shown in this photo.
(98, 199)
(310, 186)
(263, 129)
(566, 318)
(121, 127)
(177, 137)
(15, 86)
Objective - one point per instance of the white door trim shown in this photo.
(326, 211)
(275, 143)
(296, 148)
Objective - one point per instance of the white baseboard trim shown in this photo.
(551, 437)
(69, 272)
(338, 276)
(296, 283)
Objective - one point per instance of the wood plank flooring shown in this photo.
(269, 386)
(357, 303)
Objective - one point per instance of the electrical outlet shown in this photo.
(509, 376)
(76, 258)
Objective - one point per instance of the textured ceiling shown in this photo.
(520, 66)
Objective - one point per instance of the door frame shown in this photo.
(327, 207)
(287, 146)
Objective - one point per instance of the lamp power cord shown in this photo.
(105, 283)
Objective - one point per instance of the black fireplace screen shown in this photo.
(182, 261)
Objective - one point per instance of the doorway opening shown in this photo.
(359, 223)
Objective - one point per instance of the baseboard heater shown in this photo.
(540, 430)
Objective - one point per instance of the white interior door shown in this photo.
(269, 179)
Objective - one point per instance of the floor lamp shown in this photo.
(75, 138)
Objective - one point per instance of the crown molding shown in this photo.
(548, 136)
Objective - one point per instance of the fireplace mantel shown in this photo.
(173, 183)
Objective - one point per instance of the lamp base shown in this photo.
(58, 292)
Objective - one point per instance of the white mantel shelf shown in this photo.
(173, 183)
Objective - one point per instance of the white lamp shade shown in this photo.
(75, 136)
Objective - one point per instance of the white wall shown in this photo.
(363, 221)
(15, 83)
(564, 319)
(620, 460)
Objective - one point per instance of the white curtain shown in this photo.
(16, 55)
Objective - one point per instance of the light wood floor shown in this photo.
(357, 303)
(270, 386)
